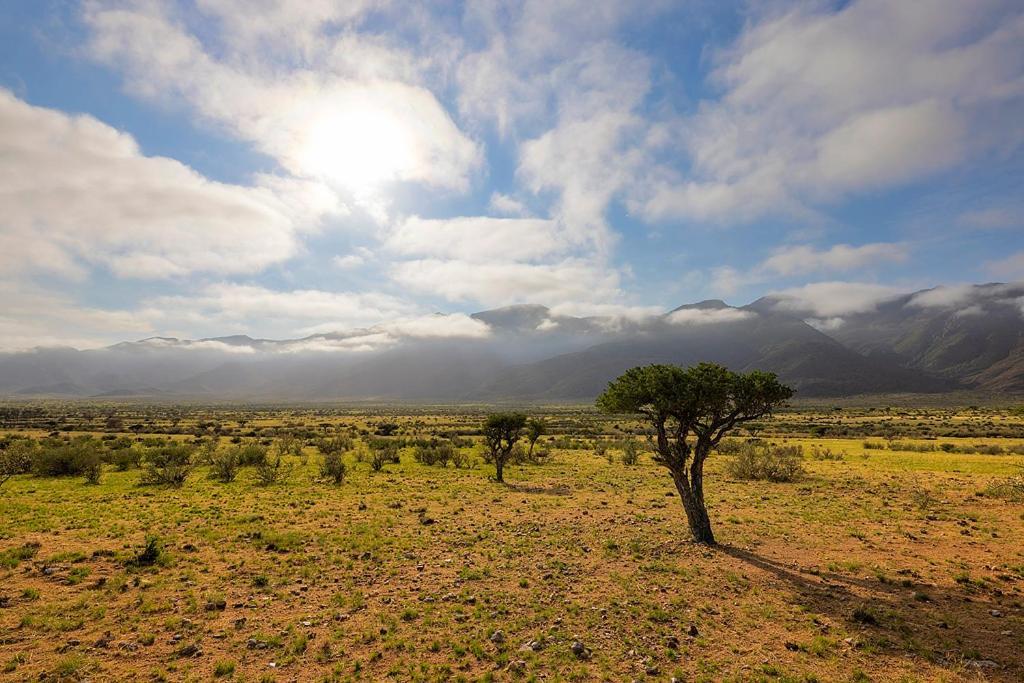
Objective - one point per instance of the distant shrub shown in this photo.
(65, 458)
(335, 444)
(873, 445)
(382, 452)
(824, 453)
(224, 465)
(91, 465)
(730, 446)
(16, 458)
(459, 459)
(386, 429)
(762, 461)
(436, 454)
(124, 459)
(168, 465)
(252, 455)
(332, 468)
(630, 452)
(1010, 489)
(270, 472)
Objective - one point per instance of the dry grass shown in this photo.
(885, 565)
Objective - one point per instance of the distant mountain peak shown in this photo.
(707, 304)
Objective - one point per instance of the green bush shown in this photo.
(224, 464)
(766, 462)
(252, 455)
(65, 458)
(333, 467)
(630, 452)
(437, 454)
(167, 465)
(270, 472)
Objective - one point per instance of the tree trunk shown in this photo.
(499, 466)
(693, 503)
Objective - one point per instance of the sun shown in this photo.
(358, 144)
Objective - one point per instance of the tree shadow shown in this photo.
(962, 628)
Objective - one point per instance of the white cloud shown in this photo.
(708, 316)
(352, 131)
(1010, 267)
(992, 218)
(499, 284)
(801, 259)
(77, 192)
(507, 206)
(477, 239)
(258, 310)
(821, 104)
(832, 299)
(439, 326)
(32, 317)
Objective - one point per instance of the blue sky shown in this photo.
(217, 167)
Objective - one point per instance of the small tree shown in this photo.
(16, 458)
(690, 411)
(501, 432)
(535, 428)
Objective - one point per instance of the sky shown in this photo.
(278, 169)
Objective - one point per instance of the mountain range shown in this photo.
(932, 341)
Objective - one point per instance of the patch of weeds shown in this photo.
(12, 557)
(224, 669)
(866, 615)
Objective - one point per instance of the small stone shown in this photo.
(995, 613)
(693, 632)
(580, 650)
(498, 637)
(981, 664)
(518, 666)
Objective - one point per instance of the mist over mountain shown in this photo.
(943, 339)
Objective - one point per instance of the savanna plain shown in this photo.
(157, 542)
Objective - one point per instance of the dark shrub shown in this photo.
(168, 465)
(767, 462)
(224, 465)
(333, 467)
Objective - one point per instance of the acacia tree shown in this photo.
(501, 432)
(691, 410)
(535, 428)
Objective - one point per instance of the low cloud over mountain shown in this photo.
(943, 339)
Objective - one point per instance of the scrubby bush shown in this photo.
(459, 459)
(15, 458)
(823, 453)
(382, 452)
(91, 465)
(224, 464)
(767, 462)
(335, 444)
(438, 454)
(124, 459)
(167, 465)
(332, 468)
(251, 455)
(65, 458)
(270, 472)
(630, 452)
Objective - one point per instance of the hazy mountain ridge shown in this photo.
(930, 341)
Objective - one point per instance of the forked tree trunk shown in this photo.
(691, 491)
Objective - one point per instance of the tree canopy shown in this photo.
(691, 409)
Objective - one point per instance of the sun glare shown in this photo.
(358, 147)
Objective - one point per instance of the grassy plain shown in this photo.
(881, 563)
